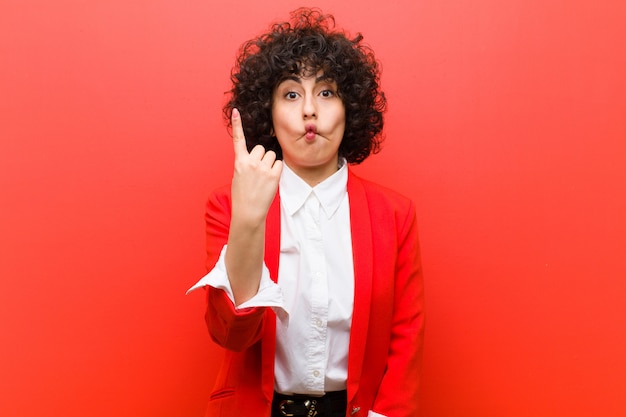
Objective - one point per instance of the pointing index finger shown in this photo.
(239, 140)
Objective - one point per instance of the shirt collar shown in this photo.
(294, 191)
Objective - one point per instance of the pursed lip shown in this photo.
(310, 131)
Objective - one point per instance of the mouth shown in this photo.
(310, 131)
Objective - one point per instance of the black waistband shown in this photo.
(305, 406)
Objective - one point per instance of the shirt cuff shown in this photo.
(269, 294)
(373, 414)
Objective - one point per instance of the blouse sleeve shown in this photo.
(234, 328)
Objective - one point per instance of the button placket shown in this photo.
(319, 290)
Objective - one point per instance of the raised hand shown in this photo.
(254, 186)
(255, 178)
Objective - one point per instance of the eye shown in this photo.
(327, 93)
(291, 95)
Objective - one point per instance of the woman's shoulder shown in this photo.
(219, 196)
(376, 192)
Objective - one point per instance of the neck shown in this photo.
(315, 175)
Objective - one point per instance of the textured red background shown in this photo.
(506, 124)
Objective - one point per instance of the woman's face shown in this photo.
(309, 121)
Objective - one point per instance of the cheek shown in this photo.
(341, 124)
(281, 128)
(280, 118)
(341, 116)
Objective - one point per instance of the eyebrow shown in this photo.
(297, 79)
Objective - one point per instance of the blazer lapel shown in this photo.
(272, 255)
(272, 237)
(362, 254)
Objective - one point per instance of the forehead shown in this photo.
(317, 76)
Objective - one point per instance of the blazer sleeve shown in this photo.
(233, 329)
(398, 392)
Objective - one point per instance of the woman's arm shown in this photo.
(398, 392)
(255, 182)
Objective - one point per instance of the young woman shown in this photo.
(315, 288)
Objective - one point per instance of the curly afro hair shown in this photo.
(306, 45)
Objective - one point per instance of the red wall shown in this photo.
(507, 125)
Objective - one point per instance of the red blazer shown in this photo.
(384, 358)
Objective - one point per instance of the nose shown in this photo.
(309, 109)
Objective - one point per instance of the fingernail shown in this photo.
(235, 113)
